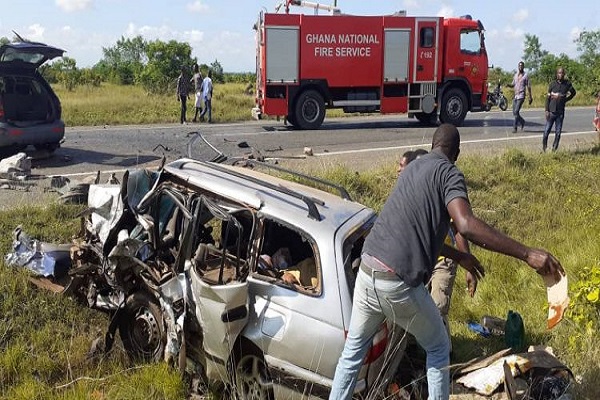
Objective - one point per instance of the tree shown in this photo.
(4, 40)
(217, 72)
(124, 62)
(575, 71)
(497, 74)
(63, 70)
(164, 64)
(588, 43)
(533, 53)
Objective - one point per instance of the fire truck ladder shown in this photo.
(332, 9)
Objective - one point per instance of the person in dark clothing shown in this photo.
(559, 92)
(399, 254)
(183, 91)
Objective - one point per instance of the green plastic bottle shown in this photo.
(514, 334)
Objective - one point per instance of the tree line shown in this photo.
(155, 65)
(583, 71)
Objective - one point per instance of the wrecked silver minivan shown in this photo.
(237, 275)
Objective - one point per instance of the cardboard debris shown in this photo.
(558, 298)
(17, 166)
(486, 380)
(480, 362)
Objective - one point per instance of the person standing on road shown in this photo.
(559, 93)
(207, 92)
(596, 119)
(399, 254)
(183, 91)
(521, 84)
(197, 82)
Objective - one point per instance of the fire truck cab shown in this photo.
(424, 66)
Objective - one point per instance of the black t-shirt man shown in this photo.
(410, 230)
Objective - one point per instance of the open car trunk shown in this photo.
(26, 101)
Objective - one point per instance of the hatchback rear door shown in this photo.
(27, 54)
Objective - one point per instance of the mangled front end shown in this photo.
(164, 261)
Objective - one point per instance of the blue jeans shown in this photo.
(517, 104)
(412, 308)
(207, 107)
(553, 118)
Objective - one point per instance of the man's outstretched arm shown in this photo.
(483, 235)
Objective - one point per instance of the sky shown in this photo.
(222, 29)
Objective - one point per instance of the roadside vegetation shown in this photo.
(546, 200)
(111, 104)
(134, 81)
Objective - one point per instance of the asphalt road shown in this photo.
(360, 142)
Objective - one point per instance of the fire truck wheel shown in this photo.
(310, 110)
(427, 119)
(454, 107)
(291, 118)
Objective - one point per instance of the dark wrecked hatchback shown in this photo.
(30, 111)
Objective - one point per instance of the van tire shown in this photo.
(251, 380)
(309, 110)
(142, 328)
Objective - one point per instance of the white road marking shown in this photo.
(409, 146)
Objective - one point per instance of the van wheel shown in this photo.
(251, 378)
(454, 107)
(310, 110)
(142, 328)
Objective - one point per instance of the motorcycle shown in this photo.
(496, 98)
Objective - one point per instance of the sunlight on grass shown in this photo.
(127, 105)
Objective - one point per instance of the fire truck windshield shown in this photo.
(470, 42)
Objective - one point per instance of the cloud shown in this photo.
(410, 4)
(521, 15)
(445, 11)
(197, 6)
(163, 32)
(513, 33)
(74, 5)
(35, 33)
(575, 32)
(194, 36)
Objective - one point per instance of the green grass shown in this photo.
(129, 105)
(550, 201)
(45, 338)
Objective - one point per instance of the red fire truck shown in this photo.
(423, 66)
